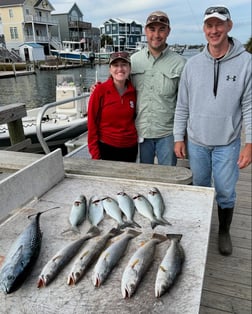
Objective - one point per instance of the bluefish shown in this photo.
(95, 211)
(145, 208)
(77, 214)
(157, 202)
(127, 206)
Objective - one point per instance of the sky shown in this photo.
(186, 16)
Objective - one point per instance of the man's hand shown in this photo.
(245, 157)
(180, 149)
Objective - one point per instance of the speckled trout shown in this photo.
(138, 265)
(89, 255)
(62, 258)
(127, 206)
(111, 256)
(170, 266)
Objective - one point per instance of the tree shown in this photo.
(248, 45)
(106, 40)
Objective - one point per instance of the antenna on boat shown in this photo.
(96, 76)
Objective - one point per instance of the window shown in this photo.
(13, 32)
(11, 13)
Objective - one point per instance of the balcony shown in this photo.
(79, 25)
(40, 20)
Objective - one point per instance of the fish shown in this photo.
(95, 211)
(171, 265)
(127, 206)
(111, 256)
(22, 256)
(138, 264)
(77, 214)
(62, 258)
(88, 255)
(113, 210)
(157, 202)
(145, 208)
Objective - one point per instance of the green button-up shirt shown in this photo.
(156, 81)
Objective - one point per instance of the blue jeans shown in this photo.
(162, 148)
(219, 163)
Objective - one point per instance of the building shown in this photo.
(28, 21)
(73, 28)
(124, 33)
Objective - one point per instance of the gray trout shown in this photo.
(170, 266)
(21, 257)
(111, 256)
(157, 202)
(145, 208)
(62, 258)
(88, 255)
(138, 265)
(95, 211)
(127, 206)
(77, 214)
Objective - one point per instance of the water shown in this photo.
(40, 89)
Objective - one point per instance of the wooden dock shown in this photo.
(227, 281)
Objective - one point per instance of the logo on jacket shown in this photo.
(231, 77)
(132, 105)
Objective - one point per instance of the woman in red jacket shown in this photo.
(112, 133)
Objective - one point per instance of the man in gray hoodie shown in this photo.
(214, 100)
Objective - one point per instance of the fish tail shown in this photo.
(165, 221)
(94, 229)
(115, 231)
(40, 213)
(124, 225)
(73, 229)
(41, 283)
(177, 236)
(155, 222)
(133, 223)
(70, 280)
(133, 232)
(160, 237)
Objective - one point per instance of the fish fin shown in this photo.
(160, 237)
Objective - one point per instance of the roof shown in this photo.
(11, 2)
(122, 21)
(64, 8)
(33, 45)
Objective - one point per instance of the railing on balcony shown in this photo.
(79, 24)
(40, 20)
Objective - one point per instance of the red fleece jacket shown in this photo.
(111, 117)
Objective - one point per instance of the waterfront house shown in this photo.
(124, 33)
(73, 28)
(28, 21)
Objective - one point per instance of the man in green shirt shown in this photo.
(155, 74)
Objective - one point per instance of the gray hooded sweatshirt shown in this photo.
(215, 98)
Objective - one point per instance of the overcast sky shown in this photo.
(186, 16)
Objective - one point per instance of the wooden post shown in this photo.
(12, 115)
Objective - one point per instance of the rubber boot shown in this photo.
(225, 219)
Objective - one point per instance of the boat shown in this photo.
(57, 122)
(72, 51)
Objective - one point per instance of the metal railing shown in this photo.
(39, 120)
